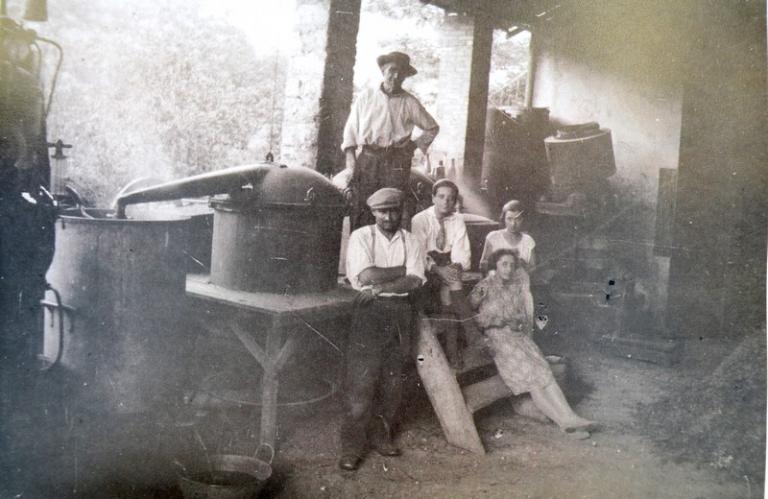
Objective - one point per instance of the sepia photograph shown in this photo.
(383, 249)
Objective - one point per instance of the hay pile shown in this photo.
(720, 420)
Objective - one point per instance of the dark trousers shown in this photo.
(378, 344)
(375, 170)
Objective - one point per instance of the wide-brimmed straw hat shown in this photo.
(402, 60)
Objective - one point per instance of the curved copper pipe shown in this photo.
(224, 181)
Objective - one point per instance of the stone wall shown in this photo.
(318, 90)
(465, 61)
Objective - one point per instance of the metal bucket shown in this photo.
(228, 476)
(113, 327)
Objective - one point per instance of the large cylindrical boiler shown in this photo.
(116, 328)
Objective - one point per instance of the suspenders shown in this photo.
(373, 245)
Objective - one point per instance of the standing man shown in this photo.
(443, 235)
(384, 263)
(380, 123)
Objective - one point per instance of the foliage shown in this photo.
(142, 93)
(509, 68)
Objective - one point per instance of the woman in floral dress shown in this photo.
(512, 236)
(503, 314)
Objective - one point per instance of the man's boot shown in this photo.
(381, 438)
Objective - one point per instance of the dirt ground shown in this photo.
(663, 436)
(628, 458)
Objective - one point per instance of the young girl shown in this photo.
(503, 315)
(511, 236)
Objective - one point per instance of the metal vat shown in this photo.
(514, 161)
(116, 328)
(282, 235)
(580, 159)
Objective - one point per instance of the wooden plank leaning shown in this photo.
(443, 390)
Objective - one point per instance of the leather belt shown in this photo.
(394, 298)
(382, 150)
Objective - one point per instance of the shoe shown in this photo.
(580, 425)
(382, 439)
(349, 462)
(387, 449)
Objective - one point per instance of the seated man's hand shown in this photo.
(365, 296)
(483, 344)
(448, 273)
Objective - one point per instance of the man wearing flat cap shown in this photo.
(380, 125)
(384, 263)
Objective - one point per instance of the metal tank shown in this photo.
(581, 159)
(515, 162)
(113, 324)
(274, 228)
(284, 235)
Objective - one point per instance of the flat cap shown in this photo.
(388, 197)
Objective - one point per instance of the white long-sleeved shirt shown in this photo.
(425, 227)
(382, 120)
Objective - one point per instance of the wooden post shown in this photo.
(268, 431)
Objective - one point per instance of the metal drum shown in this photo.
(283, 235)
(580, 159)
(114, 325)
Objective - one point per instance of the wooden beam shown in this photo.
(252, 346)
(485, 393)
(443, 390)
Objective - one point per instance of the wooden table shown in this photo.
(279, 316)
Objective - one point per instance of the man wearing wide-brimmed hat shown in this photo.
(377, 138)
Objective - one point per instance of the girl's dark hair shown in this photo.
(496, 256)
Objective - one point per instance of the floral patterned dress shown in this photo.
(502, 313)
(497, 240)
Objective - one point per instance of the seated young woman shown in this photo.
(512, 236)
(502, 314)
